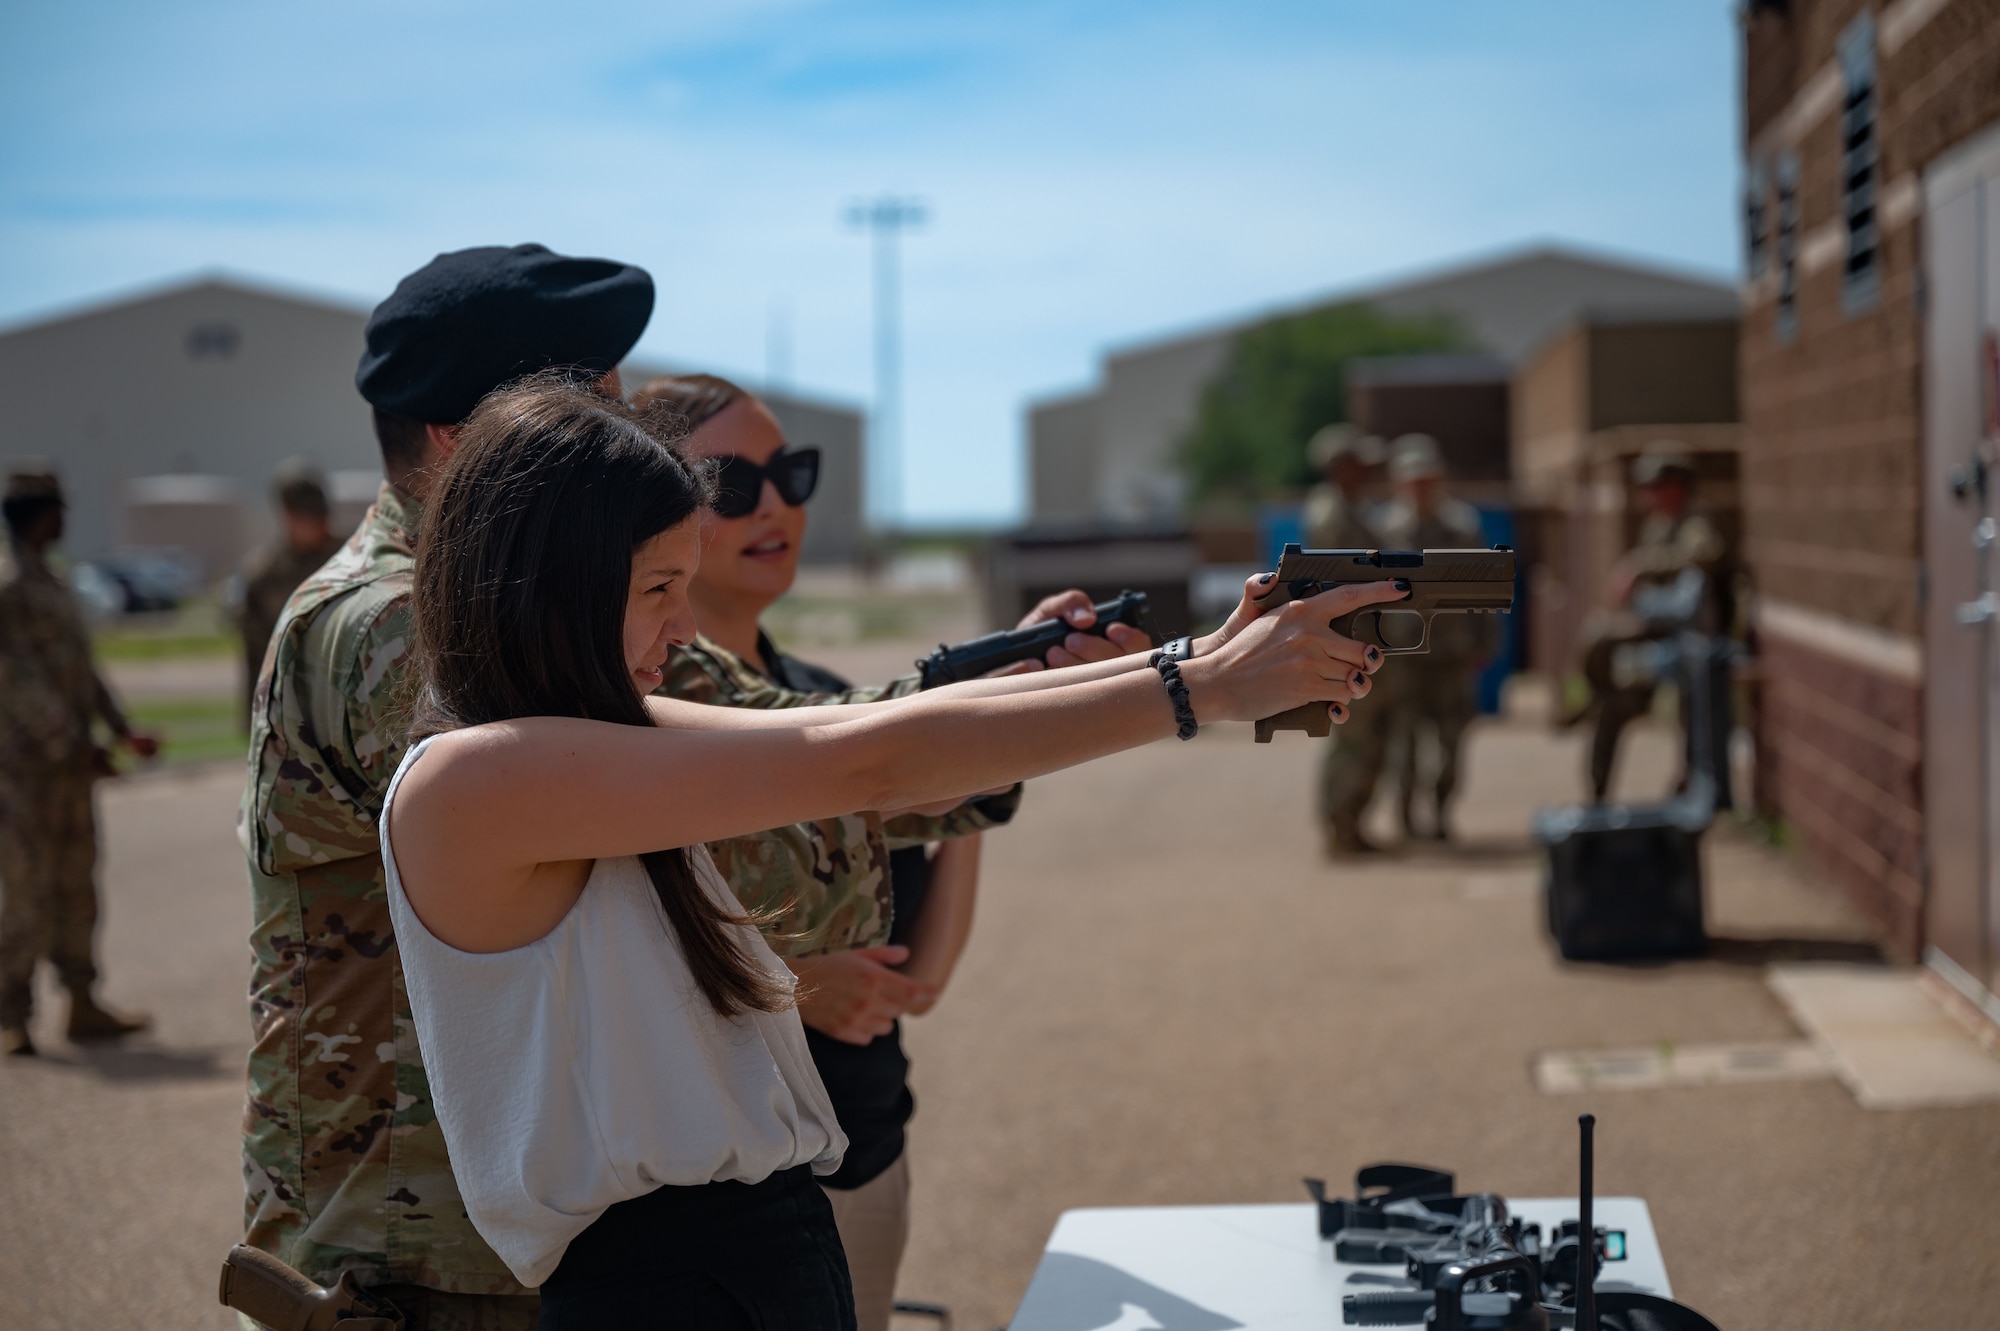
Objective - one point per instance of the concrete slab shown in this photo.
(1886, 1039)
(1561, 1072)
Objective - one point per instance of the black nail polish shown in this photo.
(1339, 712)
(1359, 679)
(1373, 656)
(1402, 584)
(1266, 578)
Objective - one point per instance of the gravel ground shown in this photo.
(1169, 998)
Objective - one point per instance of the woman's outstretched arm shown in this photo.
(489, 807)
(695, 716)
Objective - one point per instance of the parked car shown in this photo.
(128, 582)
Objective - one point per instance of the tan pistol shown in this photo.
(1441, 582)
(272, 1294)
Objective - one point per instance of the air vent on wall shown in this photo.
(214, 340)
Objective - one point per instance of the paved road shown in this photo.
(1169, 998)
(119, 1166)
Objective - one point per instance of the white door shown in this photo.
(1961, 501)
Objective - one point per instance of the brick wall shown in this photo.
(1831, 471)
(1839, 748)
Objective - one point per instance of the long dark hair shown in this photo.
(523, 569)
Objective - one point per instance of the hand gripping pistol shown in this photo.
(1441, 582)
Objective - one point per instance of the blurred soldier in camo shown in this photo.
(345, 1167)
(1674, 537)
(50, 696)
(1434, 689)
(305, 541)
(1338, 518)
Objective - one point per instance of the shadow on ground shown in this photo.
(141, 1063)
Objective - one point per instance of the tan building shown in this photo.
(166, 414)
(214, 381)
(1605, 388)
(1107, 453)
(1460, 401)
(1871, 373)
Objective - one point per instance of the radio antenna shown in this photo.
(1586, 1233)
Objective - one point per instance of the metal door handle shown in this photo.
(1971, 614)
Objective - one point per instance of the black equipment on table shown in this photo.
(1470, 1266)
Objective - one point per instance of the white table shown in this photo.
(1214, 1268)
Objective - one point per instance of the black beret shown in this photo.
(33, 482)
(469, 321)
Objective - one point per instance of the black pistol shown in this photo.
(970, 660)
(1441, 581)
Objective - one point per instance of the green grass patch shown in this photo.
(117, 645)
(194, 730)
(199, 628)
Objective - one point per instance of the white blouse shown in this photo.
(587, 1068)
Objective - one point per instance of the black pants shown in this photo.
(719, 1257)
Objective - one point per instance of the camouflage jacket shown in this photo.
(268, 582)
(50, 694)
(1668, 545)
(828, 881)
(344, 1164)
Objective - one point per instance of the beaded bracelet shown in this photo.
(1170, 675)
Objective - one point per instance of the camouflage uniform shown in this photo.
(1359, 747)
(49, 697)
(345, 1167)
(1666, 546)
(828, 880)
(268, 583)
(1435, 689)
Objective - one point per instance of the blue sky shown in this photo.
(1094, 173)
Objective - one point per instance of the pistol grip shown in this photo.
(1311, 718)
(267, 1290)
(273, 1294)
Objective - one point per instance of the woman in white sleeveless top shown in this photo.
(612, 1050)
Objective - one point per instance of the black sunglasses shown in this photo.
(739, 482)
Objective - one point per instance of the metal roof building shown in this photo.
(166, 413)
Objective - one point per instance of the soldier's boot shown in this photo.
(1344, 840)
(89, 1021)
(17, 1003)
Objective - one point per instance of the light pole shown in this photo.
(886, 217)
